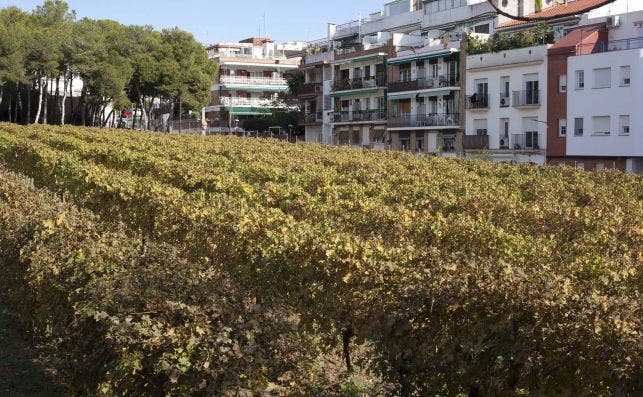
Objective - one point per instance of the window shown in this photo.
(580, 79)
(480, 126)
(625, 76)
(482, 28)
(562, 83)
(624, 127)
(580, 166)
(600, 166)
(578, 126)
(602, 78)
(405, 73)
(504, 134)
(562, 128)
(504, 91)
(601, 125)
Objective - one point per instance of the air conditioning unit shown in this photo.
(318, 88)
(614, 21)
(626, 130)
(504, 101)
(626, 81)
(504, 141)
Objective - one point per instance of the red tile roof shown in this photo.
(580, 36)
(572, 7)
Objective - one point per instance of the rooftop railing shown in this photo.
(608, 46)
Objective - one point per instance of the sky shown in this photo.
(213, 21)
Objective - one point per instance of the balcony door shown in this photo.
(531, 92)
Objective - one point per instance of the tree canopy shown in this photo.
(48, 54)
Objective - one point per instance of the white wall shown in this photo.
(514, 64)
(613, 101)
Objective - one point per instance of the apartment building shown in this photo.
(424, 96)
(605, 81)
(251, 77)
(507, 105)
(359, 90)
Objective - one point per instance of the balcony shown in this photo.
(424, 120)
(311, 118)
(526, 98)
(423, 83)
(475, 142)
(528, 141)
(310, 89)
(505, 100)
(254, 81)
(359, 115)
(359, 50)
(609, 46)
(359, 83)
(248, 102)
(347, 29)
(478, 102)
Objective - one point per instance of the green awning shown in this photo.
(241, 111)
(435, 93)
(357, 92)
(394, 97)
(420, 58)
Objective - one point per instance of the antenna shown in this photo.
(265, 25)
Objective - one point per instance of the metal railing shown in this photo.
(478, 101)
(359, 115)
(478, 142)
(422, 83)
(505, 100)
(252, 102)
(243, 80)
(425, 120)
(276, 56)
(313, 117)
(526, 98)
(528, 141)
(347, 29)
(359, 83)
(357, 48)
(311, 88)
(608, 46)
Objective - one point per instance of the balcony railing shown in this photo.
(248, 102)
(276, 56)
(347, 29)
(359, 115)
(476, 142)
(250, 81)
(478, 101)
(311, 118)
(422, 83)
(359, 83)
(311, 88)
(425, 120)
(526, 98)
(527, 141)
(608, 46)
(505, 100)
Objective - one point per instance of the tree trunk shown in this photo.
(41, 93)
(63, 103)
(347, 334)
(180, 116)
(143, 114)
(28, 118)
(170, 119)
(9, 110)
(18, 106)
(83, 108)
(46, 101)
(134, 117)
(55, 105)
(1, 93)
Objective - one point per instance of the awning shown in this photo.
(420, 58)
(241, 111)
(435, 93)
(353, 93)
(394, 97)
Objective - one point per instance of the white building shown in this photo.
(252, 74)
(605, 101)
(507, 105)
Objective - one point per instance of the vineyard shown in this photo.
(158, 264)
